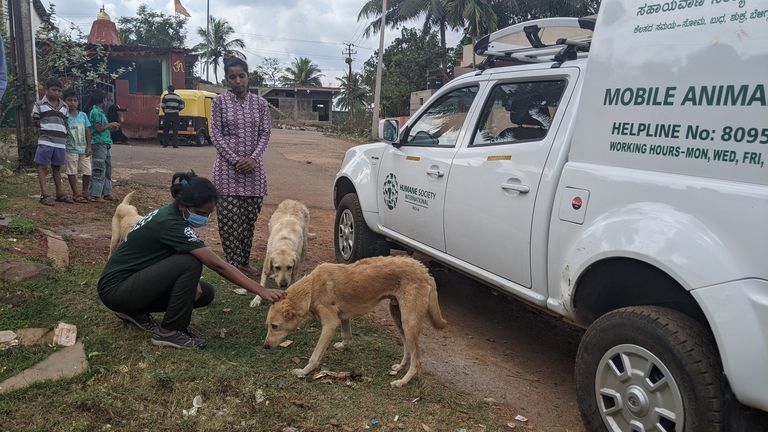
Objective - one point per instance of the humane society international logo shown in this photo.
(390, 191)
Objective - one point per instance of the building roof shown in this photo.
(103, 31)
(265, 90)
(39, 8)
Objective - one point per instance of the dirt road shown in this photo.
(493, 347)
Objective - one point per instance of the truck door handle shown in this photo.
(436, 172)
(518, 187)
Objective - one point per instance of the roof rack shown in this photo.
(535, 51)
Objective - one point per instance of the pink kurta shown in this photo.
(240, 129)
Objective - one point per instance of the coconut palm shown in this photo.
(302, 73)
(354, 94)
(476, 16)
(217, 45)
(435, 14)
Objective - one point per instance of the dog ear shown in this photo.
(267, 267)
(288, 312)
(295, 270)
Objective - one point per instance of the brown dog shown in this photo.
(335, 293)
(123, 220)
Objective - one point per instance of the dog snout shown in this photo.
(266, 345)
(283, 284)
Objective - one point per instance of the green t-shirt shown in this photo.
(98, 116)
(77, 142)
(157, 236)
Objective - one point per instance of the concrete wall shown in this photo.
(419, 98)
(299, 108)
(140, 119)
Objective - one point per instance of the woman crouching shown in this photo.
(158, 267)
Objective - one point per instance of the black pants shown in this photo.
(168, 286)
(170, 121)
(237, 217)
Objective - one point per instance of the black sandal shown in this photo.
(47, 200)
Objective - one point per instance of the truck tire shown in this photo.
(352, 239)
(645, 368)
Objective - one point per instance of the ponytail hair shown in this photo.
(189, 190)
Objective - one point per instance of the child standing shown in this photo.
(101, 144)
(50, 115)
(78, 147)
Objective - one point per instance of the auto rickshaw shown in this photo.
(194, 119)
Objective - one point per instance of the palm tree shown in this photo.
(302, 73)
(434, 12)
(476, 16)
(354, 94)
(217, 45)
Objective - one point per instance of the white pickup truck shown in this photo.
(619, 182)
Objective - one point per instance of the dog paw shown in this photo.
(398, 383)
(396, 367)
(299, 373)
(393, 372)
(339, 346)
(256, 302)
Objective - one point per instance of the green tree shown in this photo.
(406, 63)
(302, 73)
(354, 93)
(153, 28)
(513, 12)
(255, 78)
(476, 16)
(217, 45)
(271, 70)
(435, 15)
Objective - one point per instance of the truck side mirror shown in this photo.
(389, 131)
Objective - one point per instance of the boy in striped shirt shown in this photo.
(50, 115)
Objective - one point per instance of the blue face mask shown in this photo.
(196, 220)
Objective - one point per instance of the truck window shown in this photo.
(519, 112)
(441, 123)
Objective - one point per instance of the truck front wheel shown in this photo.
(354, 240)
(648, 368)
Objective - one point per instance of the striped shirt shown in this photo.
(172, 103)
(53, 123)
(240, 129)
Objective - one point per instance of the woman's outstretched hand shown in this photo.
(272, 295)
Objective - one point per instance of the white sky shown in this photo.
(270, 28)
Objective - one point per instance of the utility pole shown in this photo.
(349, 52)
(23, 52)
(379, 66)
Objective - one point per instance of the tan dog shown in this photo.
(124, 219)
(335, 293)
(287, 245)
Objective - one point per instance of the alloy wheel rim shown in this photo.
(346, 234)
(636, 392)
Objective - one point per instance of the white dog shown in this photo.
(287, 245)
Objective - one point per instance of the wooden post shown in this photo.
(23, 52)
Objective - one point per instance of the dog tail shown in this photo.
(434, 307)
(127, 199)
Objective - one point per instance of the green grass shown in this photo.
(134, 386)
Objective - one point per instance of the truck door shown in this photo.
(413, 175)
(494, 180)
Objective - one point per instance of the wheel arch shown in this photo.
(614, 283)
(342, 187)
